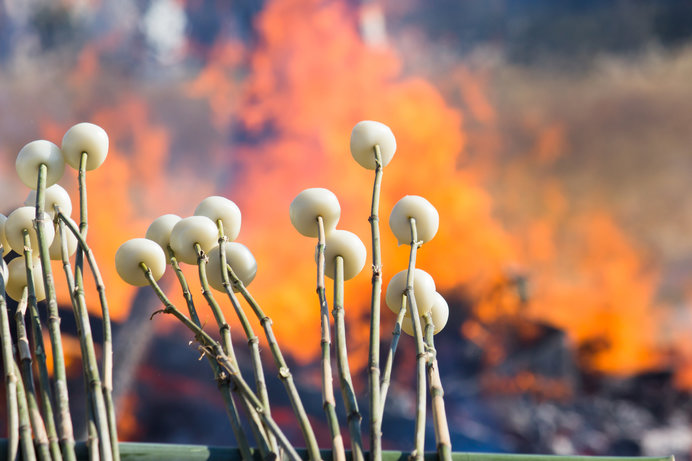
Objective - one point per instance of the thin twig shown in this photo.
(387, 375)
(284, 372)
(92, 432)
(209, 346)
(65, 430)
(224, 327)
(419, 446)
(374, 351)
(224, 330)
(10, 376)
(222, 381)
(328, 400)
(107, 362)
(253, 341)
(24, 352)
(93, 378)
(353, 416)
(40, 353)
(444, 441)
(27, 445)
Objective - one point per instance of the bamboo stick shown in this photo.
(94, 384)
(24, 352)
(107, 362)
(27, 446)
(353, 416)
(444, 441)
(284, 372)
(253, 341)
(92, 432)
(396, 335)
(213, 348)
(328, 400)
(41, 361)
(12, 451)
(221, 381)
(419, 437)
(65, 431)
(374, 350)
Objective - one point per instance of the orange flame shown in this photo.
(295, 97)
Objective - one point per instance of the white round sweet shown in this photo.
(134, 252)
(3, 241)
(32, 156)
(191, 230)
(347, 245)
(85, 137)
(241, 260)
(16, 279)
(215, 208)
(311, 203)
(439, 313)
(423, 290)
(160, 230)
(426, 216)
(23, 218)
(55, 249)
(55, 196)
(365, 136)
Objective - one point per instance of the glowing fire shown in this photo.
(288, 103)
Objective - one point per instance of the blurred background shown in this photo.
(553, 138)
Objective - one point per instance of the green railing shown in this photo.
(134, 451)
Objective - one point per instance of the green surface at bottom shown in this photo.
(134, 451)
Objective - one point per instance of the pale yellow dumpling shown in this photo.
(134, 252)
(365, 136)
(85, 137)
(23, 218)
(311, 203)
(423, 290)
(347, 245)
(32, 156)
(220, 208)
(160, 230)
(16, 280)
(191, 230)
(55, 196)
(439, 313)
(425, 214)
(241, 260)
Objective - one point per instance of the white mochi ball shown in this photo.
(426, 216)
(191, 230)
(30, 158)
(365, 136)
(134, 252)
(311, 203)
(23, 218)
(347, 245)
(55, 196)
(16, 279)
(439, 313)
(85, 137)
(241, 260)
(423, 290)
(220, 208)
(160, 230)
